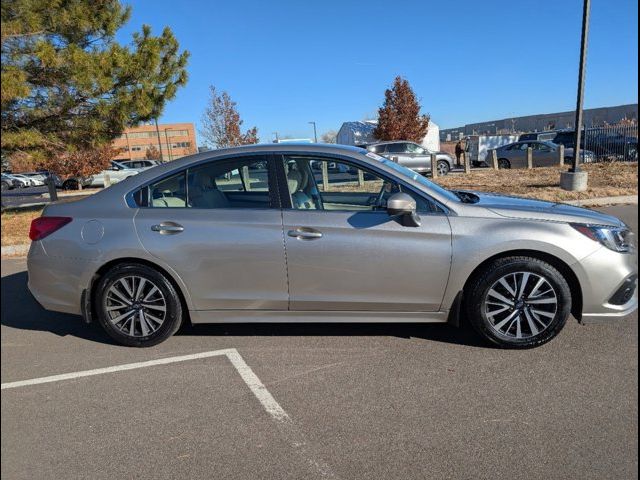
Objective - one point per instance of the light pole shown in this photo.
(575, 179)
(277, 139)
(166, 137)
(315, 134)
(159, 141)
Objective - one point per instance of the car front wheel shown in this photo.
(137, 305)
(503, 163)
(518, 302)
(443, 167)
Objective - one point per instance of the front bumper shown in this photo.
(609, 283)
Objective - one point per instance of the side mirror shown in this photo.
(403, 206)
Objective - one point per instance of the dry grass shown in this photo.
(15, 226)
(605, 180)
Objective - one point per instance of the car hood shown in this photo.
(526, 208)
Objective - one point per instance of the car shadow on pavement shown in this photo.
(432, 332)
(20, 310)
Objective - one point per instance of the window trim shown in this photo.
(283, 185)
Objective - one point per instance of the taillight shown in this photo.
(44, 226)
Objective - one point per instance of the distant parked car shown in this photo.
(601, 141)
(117, 172)
(412, 155)
(545, 154)
(23, 182)
(9, 183)
(139, 164)
(37, 178)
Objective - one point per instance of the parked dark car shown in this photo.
(545, 154)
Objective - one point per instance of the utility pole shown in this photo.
(315, 134)
(159, 140)
(575, 179)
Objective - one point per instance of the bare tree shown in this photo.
(329, 137)
(221, 123)
(152, 153)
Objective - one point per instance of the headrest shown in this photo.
(294, 179)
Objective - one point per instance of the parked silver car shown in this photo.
(255, 234)
(412, 155)
(544, 154)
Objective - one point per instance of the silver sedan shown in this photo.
(256, 234)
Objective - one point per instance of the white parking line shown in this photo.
(294, 436)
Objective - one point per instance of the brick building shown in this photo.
(176, 140)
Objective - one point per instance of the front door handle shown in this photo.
(167, 228)
(305, 233)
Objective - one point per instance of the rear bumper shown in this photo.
(56, 282)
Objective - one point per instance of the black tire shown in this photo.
(503, 164)
(70, 184)
(482, 283)
(443, 167)
(173, 315)
(5, 186)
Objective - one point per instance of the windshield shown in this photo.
(418, 178)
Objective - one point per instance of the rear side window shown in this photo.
(396, 148)
(238, 183)
(169, 192)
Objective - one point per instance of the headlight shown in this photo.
(618, 239)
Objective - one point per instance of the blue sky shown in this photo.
(291, 62)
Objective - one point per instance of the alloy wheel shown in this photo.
(520, 305)
(443, 168)
(135, 306)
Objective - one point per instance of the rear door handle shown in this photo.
(167, 228)
(305, 233)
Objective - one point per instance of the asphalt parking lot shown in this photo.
(355, 401)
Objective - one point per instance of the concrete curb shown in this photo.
(16, 250)
(599, 202)
(22, 250)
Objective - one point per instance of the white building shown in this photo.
(358, 133)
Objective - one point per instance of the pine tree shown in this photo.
(68, 86)
(399, 117)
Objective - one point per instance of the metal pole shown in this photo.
(166, 137)
(159, 141)
(583, 60)
(126, 135)
(315, 135)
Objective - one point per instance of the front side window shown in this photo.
(413, 148)
(238, 183)
(322, 184)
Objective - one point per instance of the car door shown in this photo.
(543, 155)
(400, 152)
(517, 155)
(219, 226)
(345, 253)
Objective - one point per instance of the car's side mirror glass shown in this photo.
(403, 206)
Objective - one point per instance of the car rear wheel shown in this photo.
(70, 184)
(518, 302)
(137, 305)
(503, 163)
(443, 167)
(5, 186)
